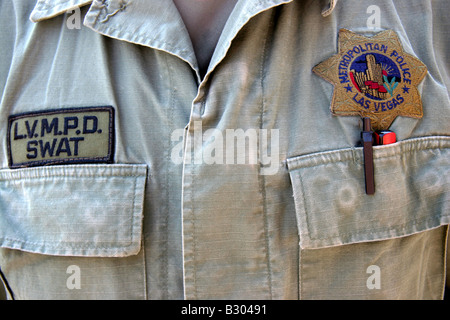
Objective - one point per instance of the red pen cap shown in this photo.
(385, 137)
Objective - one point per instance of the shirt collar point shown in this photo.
(46, 9)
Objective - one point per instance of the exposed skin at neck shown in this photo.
(204, 20)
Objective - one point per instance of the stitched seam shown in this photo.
(165, 264)
(401, 227)
(44, 173)
(348, 154)
(72, 244)
(133, 216)
(446, 267)
(194, 258)
(262, 180)
(63, 177)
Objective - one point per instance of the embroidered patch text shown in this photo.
(61, 136)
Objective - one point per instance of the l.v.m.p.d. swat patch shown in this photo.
(61, 136)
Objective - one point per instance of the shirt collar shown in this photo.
(158, 25)
(45, 9)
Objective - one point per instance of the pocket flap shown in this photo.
(74, 210)
(412, 192)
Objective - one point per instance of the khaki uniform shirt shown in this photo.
(125, 175)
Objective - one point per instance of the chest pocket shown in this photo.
(395, 234)
(75, 219)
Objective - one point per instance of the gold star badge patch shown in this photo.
(373, 77)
